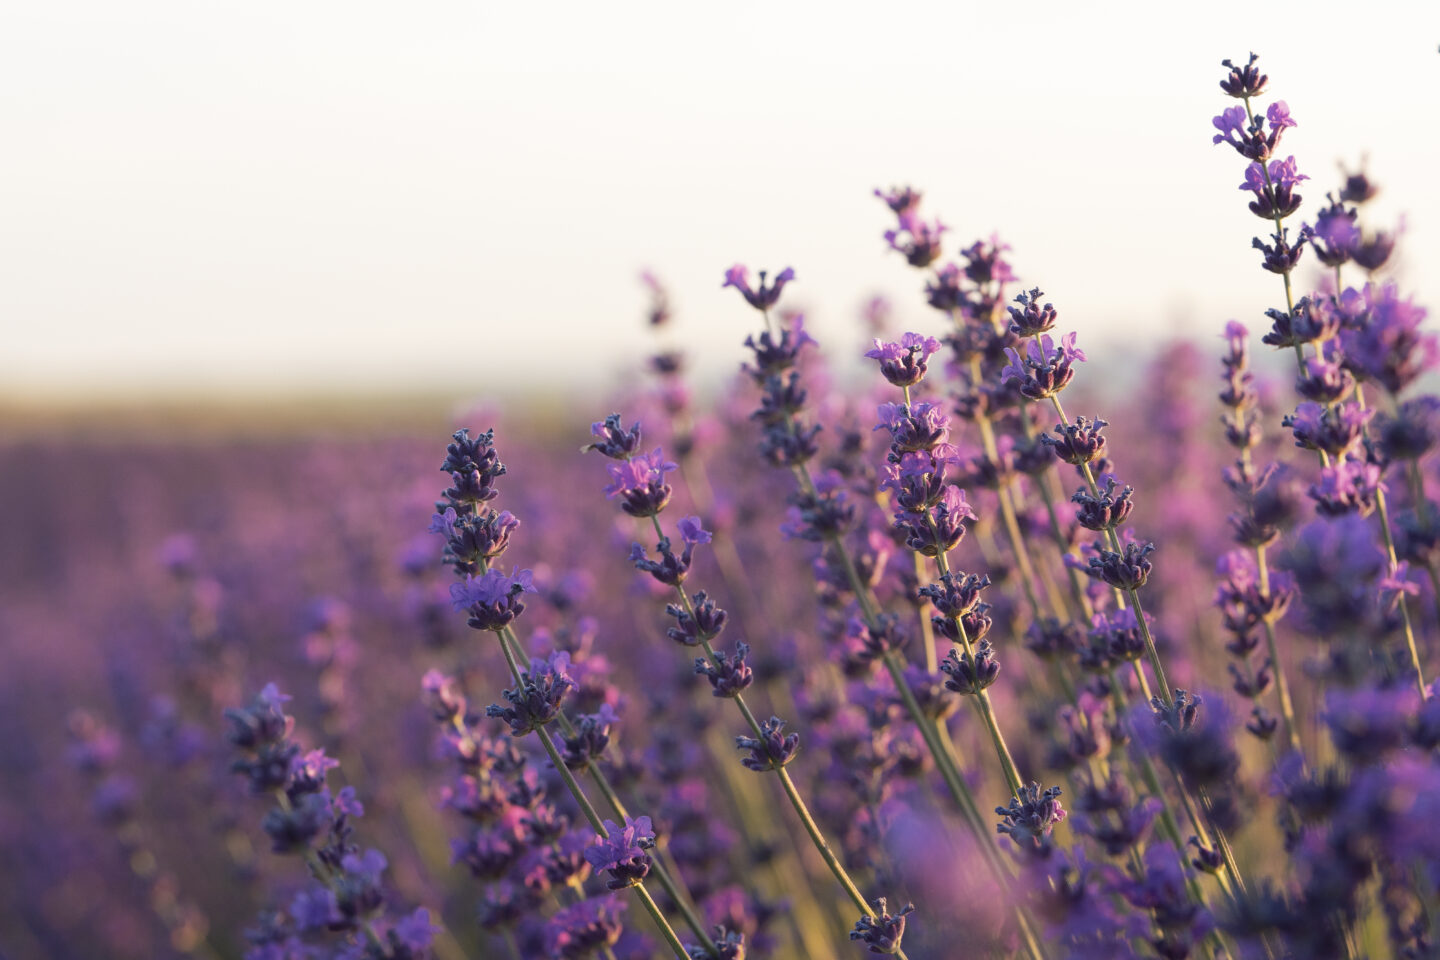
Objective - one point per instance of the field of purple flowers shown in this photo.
(973, 658)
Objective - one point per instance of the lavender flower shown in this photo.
(918, 240)
(1126, 570)
(493, 599)
(1335, 430)
(640, 483)
(585, 929)
(775, 750)
(613, 440)
(622, 852)
(1030, 818)
(1104, 511)
(766, 295)
(1031, 319)
(1045, 369)
(1078, 442)
(1349, 486)
(969, 674)
(537, 699)
(728, 676)
(882, 931)
(1243, 82)
(904, 363)
(701, 626)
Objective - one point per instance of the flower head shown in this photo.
(640, 483)
(1045, 369)
(766, 295)
(622, 852)
(883, 931)
(492, 599)
(903, 363)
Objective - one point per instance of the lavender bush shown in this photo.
(970, 658)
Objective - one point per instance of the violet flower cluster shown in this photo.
(913, 661)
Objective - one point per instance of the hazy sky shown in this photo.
(234, 197)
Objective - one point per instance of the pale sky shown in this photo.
(227, 198)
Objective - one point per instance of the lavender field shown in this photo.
(1004, 648)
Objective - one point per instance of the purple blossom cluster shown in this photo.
(1154, 685)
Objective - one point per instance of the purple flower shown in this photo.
(1335, 234)
(622, 852)
(1276, 199)
(591, 738)
(915, 426)
(775, 750)
(1245, 81)
(612, 439)
(918, 479)
(692, 629)
(1312, 321)
(1413, 429)
(475, 537)
(1324, 381)
(640, 483)
(882, 932)
(902, 201)
(767, 295)
(584, 929)
(1336, 430)
(1030, 818)
(1386, 345)
(691, 531)
(474, 466)
(263, 722)
(904, 363)
(1231, 123)
(1278, 113)
(1106, 510)
(314, 908)
(775, 355)
(1367, 724)
(1045, 369)
(414, 931)
(1347, 486)
(918, 240)
(492, 599)
(940, 528)
(968, 674)
(1078, 442)
(985, 263)
(1248, 135)
(1126, 570)
(537, 700)
(670, 569)
(1283, 255)
(1031, 319)
(729, 676)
